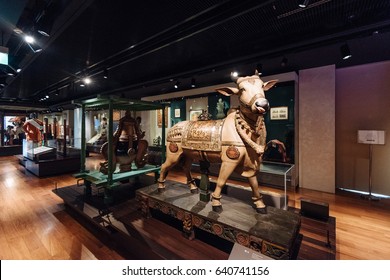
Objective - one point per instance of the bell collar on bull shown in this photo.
(249, 119)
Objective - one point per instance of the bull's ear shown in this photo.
(269, 84)
(227, 90)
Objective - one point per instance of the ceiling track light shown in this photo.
(29, 39)
(105, 73)
(43, 33)
(345, 52)
(304, 3)
(87, 80)
(259, 68)
(193, 83)
(234, 75)
(34, 50)
(15, 71)
(177, 85)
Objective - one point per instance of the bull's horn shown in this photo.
(234, 76)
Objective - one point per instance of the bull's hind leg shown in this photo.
(171, 160)
(226, 169)
(257, 198)
(190, 179)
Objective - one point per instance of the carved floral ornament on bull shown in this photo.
(237, 142)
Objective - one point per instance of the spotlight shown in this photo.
(345, 52)
(304, 3)
(14, 71)
(29, 39)
(234, 74)
(105, 73)
(87, 81)
(284, 62)
(193, 82)
(259, 68)
(177, 84)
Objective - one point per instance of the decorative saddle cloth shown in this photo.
(198, 135)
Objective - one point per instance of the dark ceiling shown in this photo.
(147, 46)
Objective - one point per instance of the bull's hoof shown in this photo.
(194, 190)
(217, 208)
(161, 190)
(261, 210)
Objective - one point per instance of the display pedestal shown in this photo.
(55, 166)
(11, 150)
(100, 180)
(274, 234)
(369, 196)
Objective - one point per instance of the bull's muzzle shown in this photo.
(262, 105)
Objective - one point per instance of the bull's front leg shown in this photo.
(226, 170)
(257, 198)
(163, 175)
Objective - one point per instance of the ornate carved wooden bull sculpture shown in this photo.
(237, 141)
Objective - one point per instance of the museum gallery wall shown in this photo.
(357, 99)
(360, 101)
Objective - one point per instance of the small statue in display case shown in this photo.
(33, 128)
(220, 109)
(157, 141)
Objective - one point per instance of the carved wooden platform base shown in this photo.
(274, 234)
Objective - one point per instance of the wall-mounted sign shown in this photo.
(159, 117)
(375, 137)
(177, 113)
(279, 113)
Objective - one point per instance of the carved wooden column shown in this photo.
(188, 229)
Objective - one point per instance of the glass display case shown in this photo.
(51, 157)
(65, 148)
(36, 151)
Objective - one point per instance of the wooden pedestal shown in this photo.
(274, 234)
(56, 166)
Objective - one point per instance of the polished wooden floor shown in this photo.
(35, 225)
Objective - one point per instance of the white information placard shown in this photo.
(375, 137)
